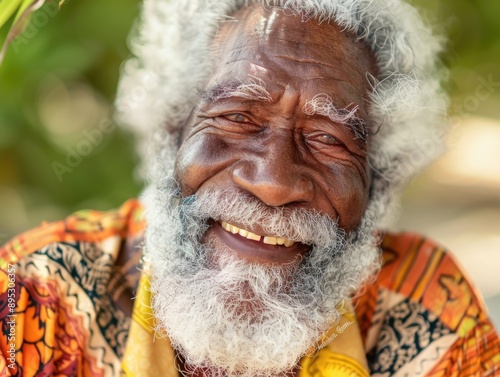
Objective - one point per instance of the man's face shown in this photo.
(277, 148)
(283, 119)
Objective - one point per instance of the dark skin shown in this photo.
(271, 149)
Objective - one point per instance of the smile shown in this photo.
(268, 240)
(252, 246)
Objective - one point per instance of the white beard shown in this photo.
(233, 317)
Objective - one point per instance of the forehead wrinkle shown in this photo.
(239, 52)
(306, 61)
(336, 80)
(319, 70)
(246, 71)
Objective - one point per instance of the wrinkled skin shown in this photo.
(272, 149)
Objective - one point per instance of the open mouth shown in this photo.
(255, 247)
(268, 240)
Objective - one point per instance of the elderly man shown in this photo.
(276, 136)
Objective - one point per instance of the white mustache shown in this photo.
(234, 206)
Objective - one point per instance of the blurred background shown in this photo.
(60, 151)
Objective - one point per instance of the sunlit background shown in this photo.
(59, 152)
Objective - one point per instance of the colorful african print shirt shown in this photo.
(65, 307)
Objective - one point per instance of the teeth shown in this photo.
(270, 240)
(255, 237)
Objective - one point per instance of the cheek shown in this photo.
(350, 197)
(356, 206)
(200, 158)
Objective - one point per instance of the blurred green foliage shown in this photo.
(58, 79)
(58, 82)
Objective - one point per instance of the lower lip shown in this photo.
(256, 251)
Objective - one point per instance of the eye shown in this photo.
(324, 138)
(236, 117)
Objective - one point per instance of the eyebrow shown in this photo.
(254, 90)
(322, 104)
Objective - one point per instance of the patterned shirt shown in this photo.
(65, 307)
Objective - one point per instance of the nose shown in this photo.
(276, 177)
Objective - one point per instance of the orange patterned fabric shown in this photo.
(423, 317)
(60, 315)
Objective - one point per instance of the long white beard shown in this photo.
(232, 317)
